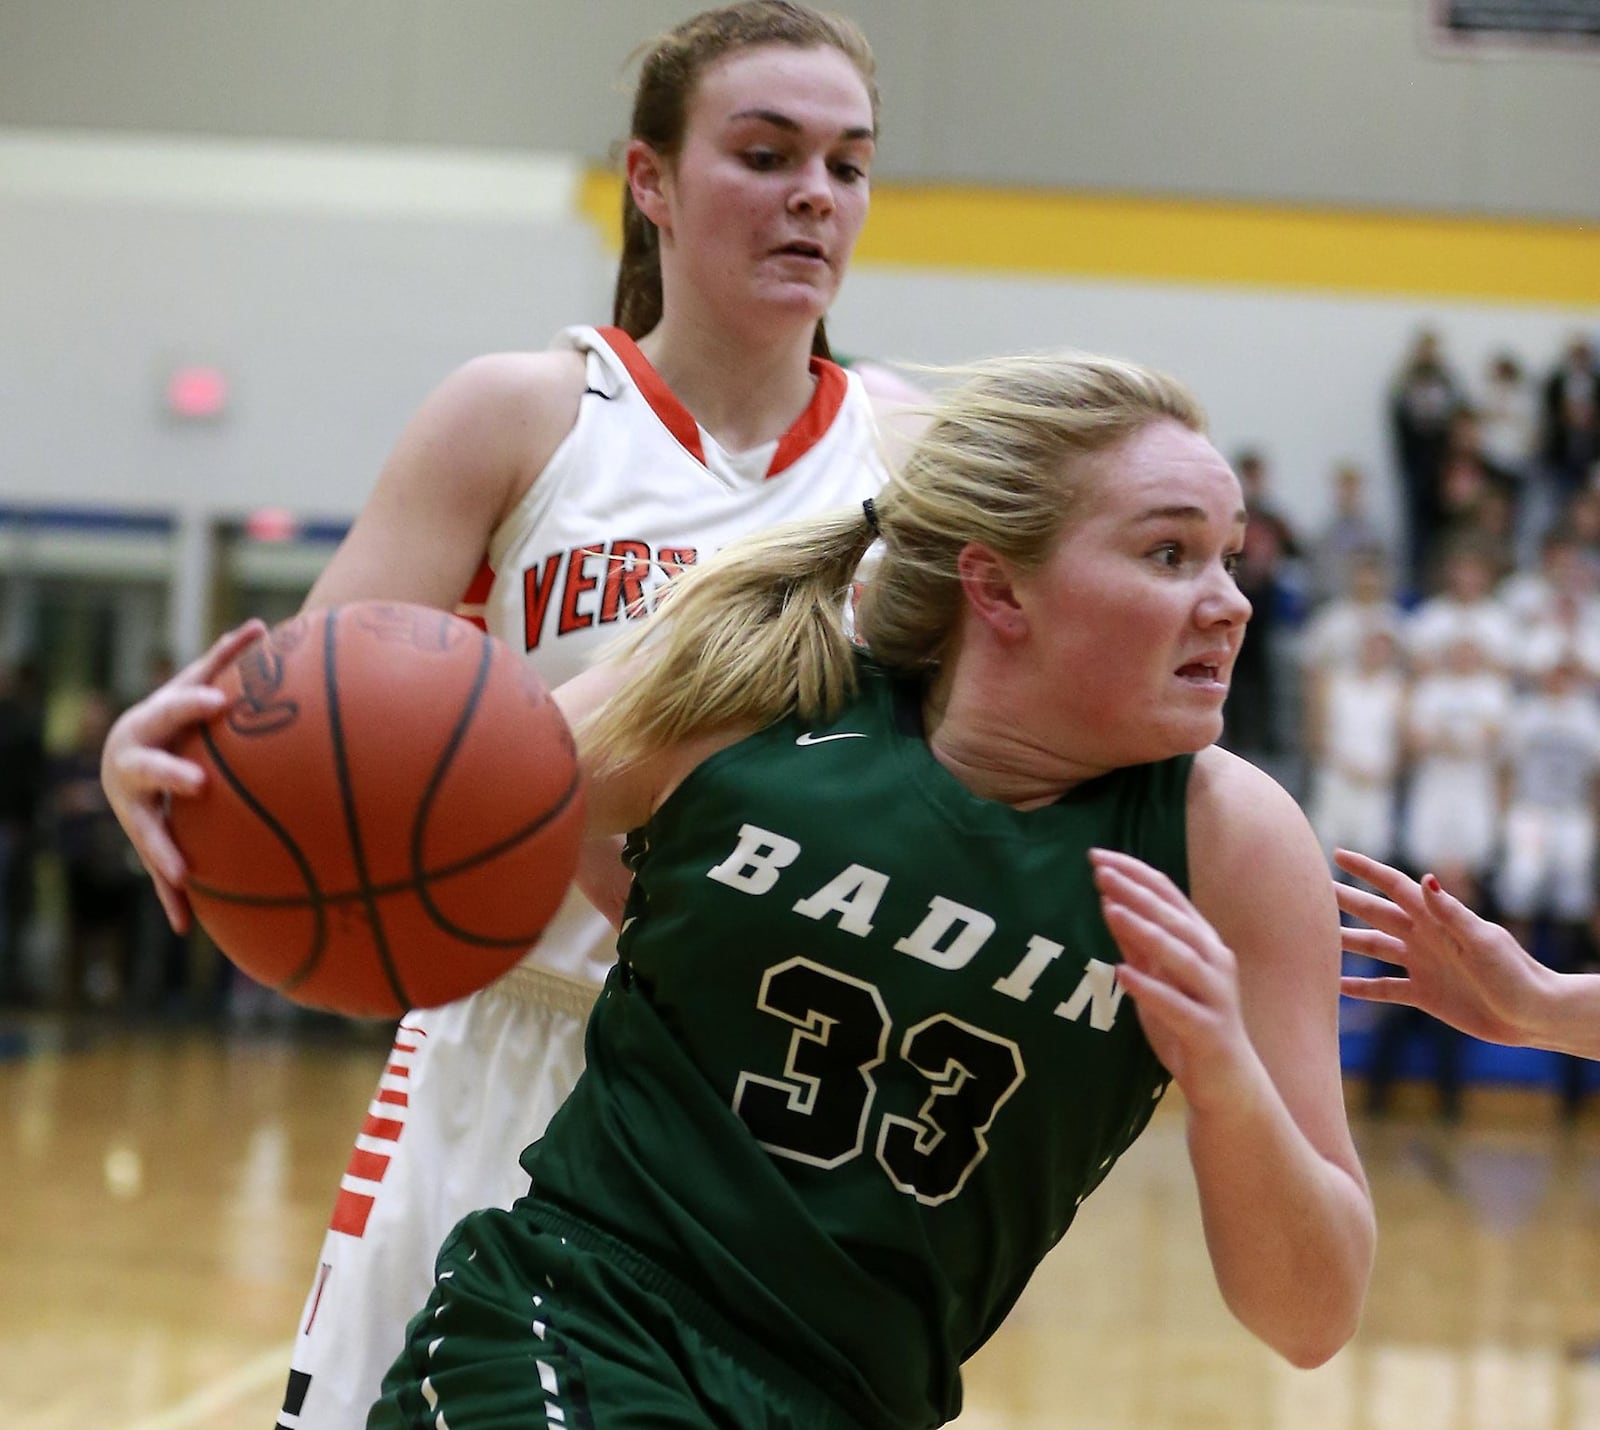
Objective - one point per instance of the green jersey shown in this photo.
(863, 1054)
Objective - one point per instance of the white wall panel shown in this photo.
(332, 312)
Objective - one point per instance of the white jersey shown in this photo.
(1334, 635)
(635, 492)
(1353, 786)
(1440, 622)
(1452, 813)
(1530, 596)
(1363, 731)
(1544, 641)
(1552, 743)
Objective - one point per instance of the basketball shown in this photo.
(392, 810)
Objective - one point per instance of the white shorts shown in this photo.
(1452, 818)
(1348, 814)
(467, 1088)
(1549, 863)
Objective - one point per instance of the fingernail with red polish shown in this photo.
(1430, 883)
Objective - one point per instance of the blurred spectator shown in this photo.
(1354, 745)
(1450, 826)
(1254, 715)
(1546, 876)
(22, 777)
(1351, 529)
(1571, 412)
(1464, 609)
(1475, 499)
(1333, 638)
(1424, 397)
(1507, 404)
(1454, 723)
(1582, 514)
(98, 865)
(1337, 628)
(1493, 524)
(1555, 607)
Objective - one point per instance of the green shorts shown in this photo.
(526, 1328)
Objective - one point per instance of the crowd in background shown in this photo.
(1430, 689)
(81, 929)
(1433, 695)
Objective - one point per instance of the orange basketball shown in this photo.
(392, 810)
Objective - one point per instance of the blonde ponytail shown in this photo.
(755, 633)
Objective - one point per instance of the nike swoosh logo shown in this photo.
(809, 739)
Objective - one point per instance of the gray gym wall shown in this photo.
(143, 222)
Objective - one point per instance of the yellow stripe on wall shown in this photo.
(1201, 242)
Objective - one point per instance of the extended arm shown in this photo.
(1462, 969)
(1237, 993)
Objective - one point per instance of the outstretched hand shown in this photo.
(140, 772)
(1460, 968)
(1181, 975)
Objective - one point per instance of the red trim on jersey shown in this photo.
(477, 591)
(394, 1096)
(368, 1166)
(316, 1301)
(809, 426)
(827, 397)
(675, 417)
(386, 1129)
(470, 606)
(350, 1212)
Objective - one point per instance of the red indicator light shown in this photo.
(197, 392)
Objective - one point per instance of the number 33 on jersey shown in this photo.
(916, 957)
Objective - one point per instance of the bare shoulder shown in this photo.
(1246, 834)
(531, 397)
(535, 374)
(496, 420)
(1224, 785)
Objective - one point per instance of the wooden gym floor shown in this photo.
(165, 1193)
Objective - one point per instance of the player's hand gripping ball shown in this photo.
(392, 810)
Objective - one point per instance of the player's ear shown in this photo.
(988, 583)
(648, 179)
